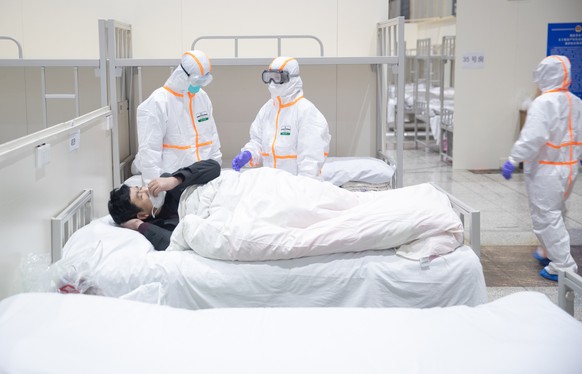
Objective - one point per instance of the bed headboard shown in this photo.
(470, 218)
(77, 214)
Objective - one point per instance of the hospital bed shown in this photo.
(30, 232)
(102, 258)
(520, 333)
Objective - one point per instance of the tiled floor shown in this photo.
(507, 240)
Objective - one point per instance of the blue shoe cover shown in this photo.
(549, 276)
(544, 261)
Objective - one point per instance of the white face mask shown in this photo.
(276, 89)
(157, 202)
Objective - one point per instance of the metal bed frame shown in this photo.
(447, 116)
(569, 285)
(74, 65)
(77, 214)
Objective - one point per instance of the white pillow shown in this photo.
(339, 170)
(106, 233)
(105, 259)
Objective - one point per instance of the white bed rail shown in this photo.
(469, 217)
(391, 44)
(279, 38)
(76, 215)
(569, 284)
(15, 42)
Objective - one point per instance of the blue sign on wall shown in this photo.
(566, 39)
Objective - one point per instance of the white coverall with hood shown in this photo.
(289, 132)
(550, 145)
(175, 127)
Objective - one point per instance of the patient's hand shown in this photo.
(132, 224)
(163, 184)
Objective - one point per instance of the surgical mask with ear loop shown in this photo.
(157, 201)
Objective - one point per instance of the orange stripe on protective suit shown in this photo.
(202, 72)
(191, 112)
(281, 106)
(173, 92)
(280, 68)
(570, 144)
(565, 82)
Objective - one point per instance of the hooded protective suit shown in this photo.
(550, 145)
(289, 132)
(175, 126)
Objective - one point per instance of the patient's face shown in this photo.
(140, 197)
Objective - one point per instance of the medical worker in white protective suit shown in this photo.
(175, 125)
(550, 145)
(289, 132)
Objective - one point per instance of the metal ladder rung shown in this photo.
(73, 96)
(60, 96)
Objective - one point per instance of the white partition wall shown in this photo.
(78, 157)
(512, 36)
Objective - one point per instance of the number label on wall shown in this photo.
(74, 140)
(473, 60)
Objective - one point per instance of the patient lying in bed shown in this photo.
(269, 214)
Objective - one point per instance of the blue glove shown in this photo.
(241, 160)
(507, 170)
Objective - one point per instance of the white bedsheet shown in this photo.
(520, 333)
(269, 214)
(117, 262)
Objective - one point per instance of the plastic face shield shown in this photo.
(198, 80)
(276, 76)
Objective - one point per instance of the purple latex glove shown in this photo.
(241, 160)
(507, 170)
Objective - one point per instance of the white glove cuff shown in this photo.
(513, 162)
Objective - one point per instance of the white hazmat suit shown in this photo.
(550, 145)
(289, 132)
(175, 125)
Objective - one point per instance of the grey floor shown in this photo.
(507, 239)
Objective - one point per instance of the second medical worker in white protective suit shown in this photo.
(550, 145)
(289, 132)
(175, 125)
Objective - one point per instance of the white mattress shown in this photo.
(112, 261)
(520, 333)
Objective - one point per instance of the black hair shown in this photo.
(120, 206)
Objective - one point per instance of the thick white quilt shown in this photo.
(268, 214)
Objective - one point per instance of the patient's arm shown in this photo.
(158, 236)
(132, 224)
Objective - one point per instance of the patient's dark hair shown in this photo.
(120, 206)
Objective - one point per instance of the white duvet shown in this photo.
(268, 214)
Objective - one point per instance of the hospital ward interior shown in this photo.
(386, 186)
